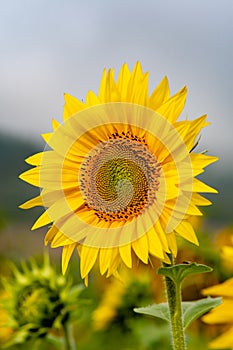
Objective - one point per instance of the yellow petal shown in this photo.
(200, 161)
(179, 210)
(224, 289)
(69, 203)
(34, 202)
(141, 94)
(92, 99)
(43, 220)
(138, 86)
(105, 255)
(140, 246)
(86, 281)
(66, 255)
(112, 94)
(60, 239)
(199, 200)
(115, 262)
(166, 259)
(47, 136)
(155, 246)
(160, 94)
(55, 124)
(123, 81)
(224, 341)
(171, 239)
(62, 140)
(189, 130)
(72, 106)
(51, 233)
(50, 197)
(185, 230)
(102, 89)
(172, 108)
(32, 176)
(221, 314)
(88, 259)
(71, 230)
(199, 186)
(125, 253)
(44, 158)
(35, 159)
(193, 210)
(162, 236)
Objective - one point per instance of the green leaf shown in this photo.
(194, 309)
(191, 309)
(155, 310)
(178, 272)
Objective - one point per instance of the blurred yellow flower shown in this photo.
(227, 257)
(224, 237)
(224, 242)
(119, 176)
(107, 309)
(134, 288)
(222, 314)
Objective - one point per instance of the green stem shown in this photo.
(175, 308)
(68, 337)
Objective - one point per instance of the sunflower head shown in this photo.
(38, 301)
(119, 176)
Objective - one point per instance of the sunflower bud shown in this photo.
(39, 301)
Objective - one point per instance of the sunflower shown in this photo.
(222, 314)
(36, 302)
(118, 178)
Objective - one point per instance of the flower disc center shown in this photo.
(119, 178)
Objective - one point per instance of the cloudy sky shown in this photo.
(56, 46)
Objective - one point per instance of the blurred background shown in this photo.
(51, 47)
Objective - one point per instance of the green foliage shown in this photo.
(178, 272)
(194, 309)
(176, 313)
(191, 309)
(156, 310)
